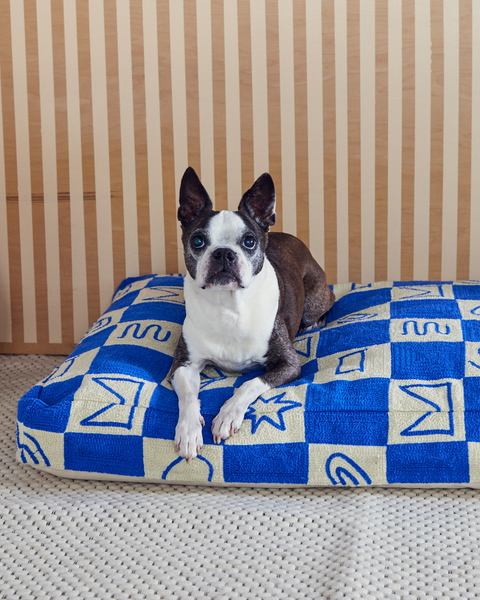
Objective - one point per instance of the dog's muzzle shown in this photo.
(223, 267)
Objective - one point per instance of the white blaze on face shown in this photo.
(226, 230)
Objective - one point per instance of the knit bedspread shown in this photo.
(389, 394)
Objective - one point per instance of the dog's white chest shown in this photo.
(231, 329)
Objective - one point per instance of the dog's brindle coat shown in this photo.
(301, 298)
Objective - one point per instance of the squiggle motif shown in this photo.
(341, 470)
(426, 327)
(137, 327)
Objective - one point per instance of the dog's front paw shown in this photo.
(188, 437)
(226, 423)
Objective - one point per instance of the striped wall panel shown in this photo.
(367, 115)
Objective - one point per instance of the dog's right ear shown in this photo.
(194, 198)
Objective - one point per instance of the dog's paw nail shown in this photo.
(202, 421)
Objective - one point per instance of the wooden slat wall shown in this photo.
(367, 115)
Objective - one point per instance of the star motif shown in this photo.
(270, 410)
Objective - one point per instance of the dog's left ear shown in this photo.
(194, 198)
(259, 202)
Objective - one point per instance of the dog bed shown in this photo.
(389, 395)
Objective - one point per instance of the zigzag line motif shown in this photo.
(130, 407)
(412, 429)
(422, 292)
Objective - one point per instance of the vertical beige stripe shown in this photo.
(101, 151)
(394, 139)
(315, 129)
(259, 86)
(127, 134)
(49, 158)
(301, 121)
(341, 97)
(245, 78)
(89, 204)
(422, 139)
(408, 136)
(381, 139)
(205, 94)
(465, 139)
(61, 122)
(191, 82)
(170, 193)
(179, 103)
(20, 94)
(329, 140)
(232, 105)
(219, 125)
(154, 145)
(35, 147)
(79, 272)
(450, 139)
(274, 118)
(114, 140)
(475, 161)
(367, 137)
(436, 141)
(354, 143)
(287, 115)
(5, 302)
(140, 137)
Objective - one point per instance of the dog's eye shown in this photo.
(249, 242)
(198, 241)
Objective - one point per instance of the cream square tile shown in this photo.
(474, 461)
(132, 287)
(161, 293)
(110, 403)
(40, 448)
(379, 312)
(106, 320)
(472, 359)
(71, 367)
(156, 335)
(162, 462)
(433, 291)
(347, 465)
(426, 411)
(359, 363)
(306, 346)
(469, 309)
(274, 418)
(426, 330)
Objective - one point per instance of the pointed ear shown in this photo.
(193, 198)
(259, 202)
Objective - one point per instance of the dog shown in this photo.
(247, 294)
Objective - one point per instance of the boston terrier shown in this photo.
(247, 294)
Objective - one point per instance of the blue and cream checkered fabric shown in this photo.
(389, 394)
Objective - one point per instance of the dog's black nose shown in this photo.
(225, 256)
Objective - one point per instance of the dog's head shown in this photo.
(225, 249)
